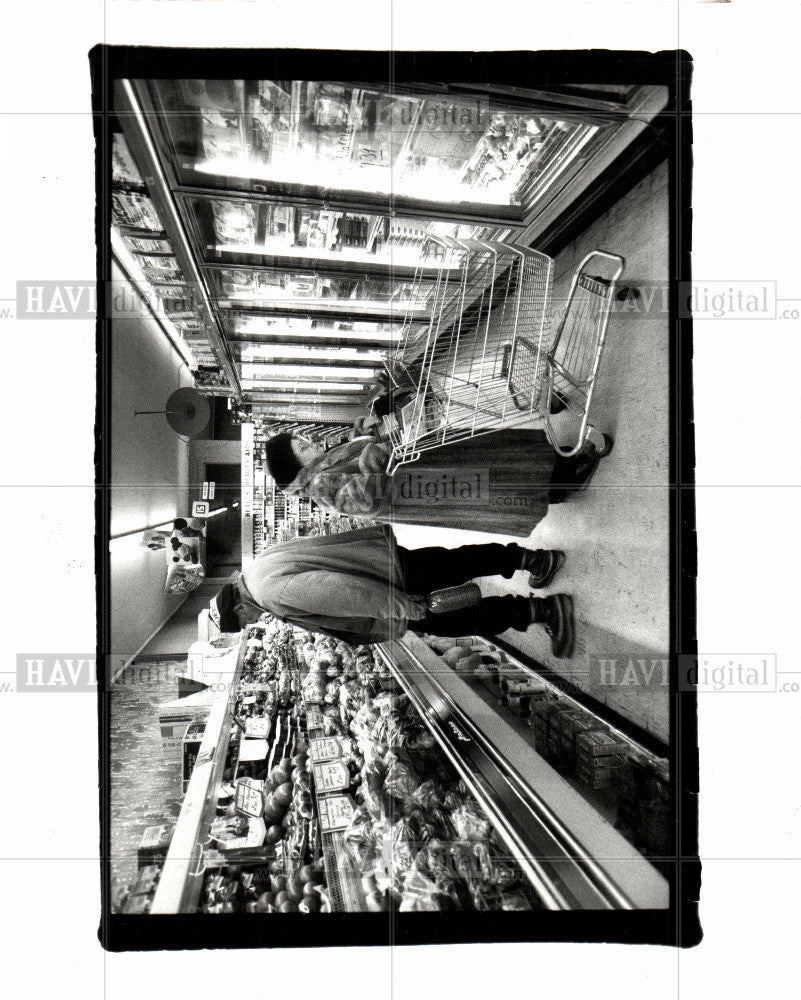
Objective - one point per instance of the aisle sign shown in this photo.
(200, 508)
(249, 797)
(212, 487)
(205, 493)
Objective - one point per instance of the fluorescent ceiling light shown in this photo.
(307, 371)
(300, 386)
(263, 352)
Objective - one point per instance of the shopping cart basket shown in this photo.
(481, 359)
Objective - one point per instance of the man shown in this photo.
(362, 587)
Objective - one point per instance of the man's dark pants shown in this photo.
(434, 568)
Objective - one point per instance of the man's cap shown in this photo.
(281, 460)
(221, 609)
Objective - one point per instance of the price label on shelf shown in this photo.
(324, 749)
(314, 718)
(332, 776)
(336, 812)
(249, 797)
(259, 727)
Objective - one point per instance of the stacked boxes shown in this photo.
(542, 710)
(140, 895)
(599, 756)
(154, 845)
(518, 694)
(566, 726)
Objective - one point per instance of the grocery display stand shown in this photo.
(568, 850)
(182, 877)
(574, 858)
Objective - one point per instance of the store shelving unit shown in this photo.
(181, 879)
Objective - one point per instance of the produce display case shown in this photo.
(397, 778)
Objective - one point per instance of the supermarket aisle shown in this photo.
(616, 534)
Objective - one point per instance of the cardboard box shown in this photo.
(599, 743)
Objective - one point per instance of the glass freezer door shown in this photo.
(276, 233)
(444, 148)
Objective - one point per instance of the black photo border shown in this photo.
(679, 924)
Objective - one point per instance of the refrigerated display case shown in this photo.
(401, 778)
(455, 147)
(296, 210)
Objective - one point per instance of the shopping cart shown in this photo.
(483, 359)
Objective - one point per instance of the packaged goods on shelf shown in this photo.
(616, 774)
(141, 245)
(234, 222)
(123, 167)
(135, 209)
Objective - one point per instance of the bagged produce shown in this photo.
(360, 839)
(400, 782)
(419, 894)
(387, 702)
(514, 901)
(469, 823)
(422, 739)
(372, 789)
(404, 844)
(427, 795)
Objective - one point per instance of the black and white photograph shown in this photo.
(400, 492)
(394, 402)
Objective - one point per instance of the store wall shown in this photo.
(207, 452)
(149, 472)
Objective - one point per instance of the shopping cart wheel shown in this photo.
(606, 447)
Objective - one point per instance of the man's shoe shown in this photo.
(542, 565)
(555, 614)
